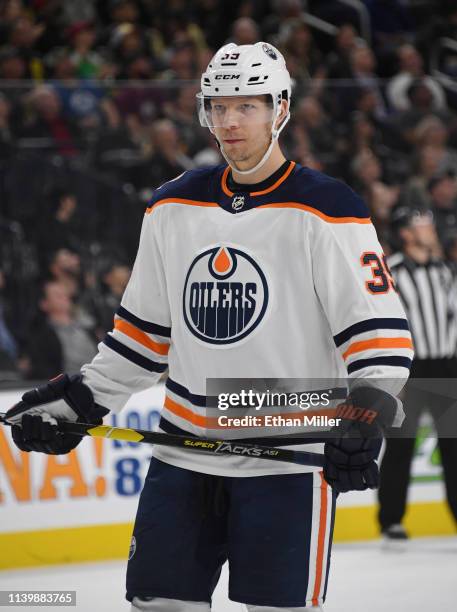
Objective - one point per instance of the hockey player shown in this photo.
(258, 268)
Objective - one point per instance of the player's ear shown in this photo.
(284, 107)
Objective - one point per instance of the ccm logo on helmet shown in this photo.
(227, 77)
(225, 295)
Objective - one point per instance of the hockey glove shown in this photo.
(34, 418)
(350, 457)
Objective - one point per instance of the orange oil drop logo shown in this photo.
(222, 262)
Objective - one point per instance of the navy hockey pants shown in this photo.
(275, 531)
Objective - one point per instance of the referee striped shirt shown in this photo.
(429, 295)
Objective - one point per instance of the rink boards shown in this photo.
(80, 506)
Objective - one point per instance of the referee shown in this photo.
(426, 285)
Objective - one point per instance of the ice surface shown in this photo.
(364, 578)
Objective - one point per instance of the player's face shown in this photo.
(243, 127)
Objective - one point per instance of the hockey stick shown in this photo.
(205, 445)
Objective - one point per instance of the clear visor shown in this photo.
(234, 111)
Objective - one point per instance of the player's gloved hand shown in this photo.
(350, 457)
(34, 418)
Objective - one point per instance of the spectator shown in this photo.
(297, 42)
(6, 135)
(381, 198)
(283, 12)
(443, 194)
(65, 268)
(412, 69)
(60, 227)
(363, 66)
(86, 60)
(338, 62)
(320, 132)
(432, 132)
(57, 342)
(47, 125)
(103, 302)
(181, 110)
(168, 160)
(244, 31)
(415, 194)
(8, 345)
(182, 63)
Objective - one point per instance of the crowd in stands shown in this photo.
(97, 108)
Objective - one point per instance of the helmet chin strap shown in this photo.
(274, 137)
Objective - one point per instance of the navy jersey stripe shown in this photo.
(197, 400)
(146, 326)
(391, 360)
(369, 325)
(136, 358)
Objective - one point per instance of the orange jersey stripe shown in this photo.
(320, 541)
(225, 189)
(296, 205)
(318, 213)
(363, 345)
(229, 193)
(278, 182)
(136, 334)
(212, 422)
(181, 201)
(185, 413)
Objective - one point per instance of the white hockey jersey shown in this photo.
(285, 279)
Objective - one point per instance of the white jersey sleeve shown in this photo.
(133, 356)
(358, 294)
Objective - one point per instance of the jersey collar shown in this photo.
(230, 187)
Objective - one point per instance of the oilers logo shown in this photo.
(225, 295)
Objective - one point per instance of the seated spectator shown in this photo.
(6, 132)
(443, 195)
(363, 73)
(411, 69)
(9, 350)
(432, 132)
(296, 41)
(402, 125)
(338, 62)
(182, 63)
(56, 341)
(13, 68)
(415, 194)
(244, 32)
(380, 197)
(282, 12)
(168, 160)
(103, 302)
(60, 227)
(118, 151)
(87, 61)
(65, 268)
(47, 126)
(181, 110)
(321, 138)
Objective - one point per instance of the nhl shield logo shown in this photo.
(225, 295)
(238, 202)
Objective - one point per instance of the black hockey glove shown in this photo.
(34, 418)
(350, 457)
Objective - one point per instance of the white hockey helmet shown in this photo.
(246, 70)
